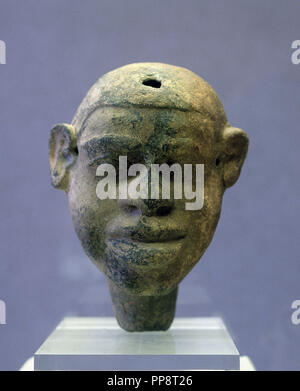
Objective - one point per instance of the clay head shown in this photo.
(150, 113)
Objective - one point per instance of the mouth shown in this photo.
(146, 232)
(149, 242)
(137, 253)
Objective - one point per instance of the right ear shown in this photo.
(62, 154)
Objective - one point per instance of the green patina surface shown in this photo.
(151, 113)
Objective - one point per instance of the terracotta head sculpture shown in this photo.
(150, 113)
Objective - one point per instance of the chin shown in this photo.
(150, 282)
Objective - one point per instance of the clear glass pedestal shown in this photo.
(100, 344)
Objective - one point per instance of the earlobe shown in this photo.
(62, 154)
(235, 147)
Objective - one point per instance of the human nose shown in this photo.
(146, 205)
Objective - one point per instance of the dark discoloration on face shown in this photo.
(146, 247)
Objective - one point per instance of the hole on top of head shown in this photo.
(152, 83)
(218, 161)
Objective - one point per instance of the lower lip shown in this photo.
(121, 237)
(144, 254)
(157, 244)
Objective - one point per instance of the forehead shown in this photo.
(145, 124)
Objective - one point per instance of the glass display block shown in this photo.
(100, 344)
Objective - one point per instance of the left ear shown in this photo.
(235, 147)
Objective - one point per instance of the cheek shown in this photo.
(204, 221)
(89, 214)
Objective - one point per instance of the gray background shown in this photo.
(55, 51)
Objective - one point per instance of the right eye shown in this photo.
(96, 162)
(105, 160)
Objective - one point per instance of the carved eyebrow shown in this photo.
(183, 142)
(120, 144)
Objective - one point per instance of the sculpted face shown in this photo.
(145, 247)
